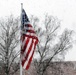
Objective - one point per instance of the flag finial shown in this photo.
(21, 5)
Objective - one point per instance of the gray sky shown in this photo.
(65, 10)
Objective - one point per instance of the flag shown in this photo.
(29, 41)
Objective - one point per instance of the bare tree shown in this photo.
(9, 41)
(51, 46)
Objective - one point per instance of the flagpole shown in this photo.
(21, 23)
(20, 68)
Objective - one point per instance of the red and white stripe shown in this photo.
(28, 44)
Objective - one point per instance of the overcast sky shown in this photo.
(65, 10)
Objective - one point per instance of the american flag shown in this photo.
(29, 41)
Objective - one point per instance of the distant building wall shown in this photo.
(55, 68)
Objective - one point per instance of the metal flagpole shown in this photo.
(20, 68)
(21, 23)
